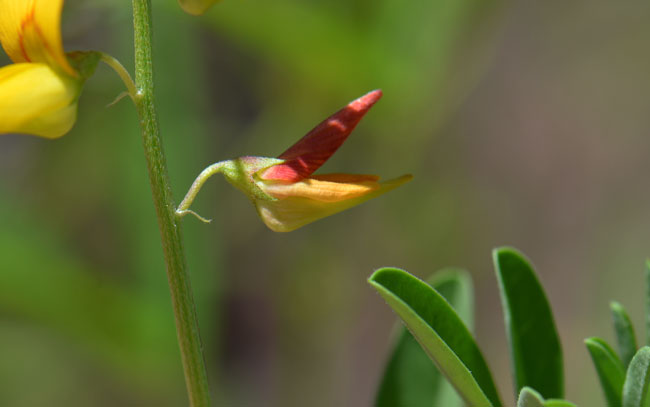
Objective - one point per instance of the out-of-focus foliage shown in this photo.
(524, 123)
(624, 378)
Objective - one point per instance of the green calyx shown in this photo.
(84, 62)
(242, 173)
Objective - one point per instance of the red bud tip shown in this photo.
(315, 148)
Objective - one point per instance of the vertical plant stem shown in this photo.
(187, 328)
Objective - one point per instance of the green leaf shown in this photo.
(410, 379)
(610, 369)
(530, 398)
(637, 380)
(624, 330)
(534, 343)
(455, 285)
(647, 302)
(558, 403)
(441, 333)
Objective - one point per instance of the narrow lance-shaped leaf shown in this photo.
(610, 369)
(624, 330)
(534, 343)
(411, 379)
(637, 381)
(440, 332)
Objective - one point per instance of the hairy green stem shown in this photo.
(179, 283)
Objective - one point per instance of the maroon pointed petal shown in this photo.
(311, 151)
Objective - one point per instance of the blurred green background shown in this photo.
(524, 123)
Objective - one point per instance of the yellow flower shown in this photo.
(284, 190)
(196, 7)
(39, 92)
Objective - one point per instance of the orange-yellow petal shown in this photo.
(30, 32)
(285, 215)
(328, 188)
(349, 178)
(35, 99)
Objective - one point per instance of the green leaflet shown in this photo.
(637, 381)
(624, 330)
(410, 379)
(441, 333)
(534, 343)
(647, 302)
(610, 369)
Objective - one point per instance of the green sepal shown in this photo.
(84, 62)
(242, 173)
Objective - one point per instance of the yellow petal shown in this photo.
(196, 7)
(349, 178)
(325, 188)
(285, 215)
(34, 99)
(30, 32)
